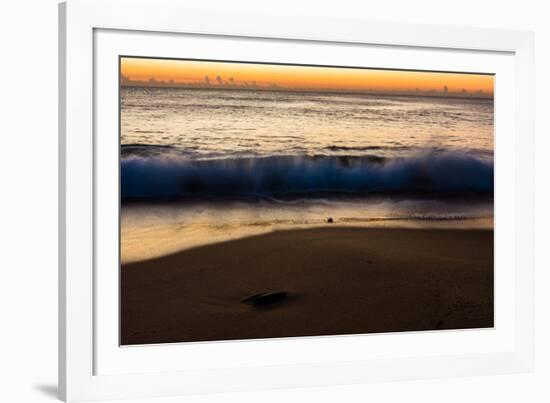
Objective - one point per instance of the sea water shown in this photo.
(203, 166)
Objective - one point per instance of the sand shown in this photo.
(339, 280)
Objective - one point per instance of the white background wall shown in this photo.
(28, 200)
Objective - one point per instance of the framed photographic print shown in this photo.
(245, 207)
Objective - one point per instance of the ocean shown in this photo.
(203, 166)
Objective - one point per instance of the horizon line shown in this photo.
(276, 88)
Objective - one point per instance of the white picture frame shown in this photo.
(85, 290)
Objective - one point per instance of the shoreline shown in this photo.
(150, 231)
(339, 280)
(166, 240)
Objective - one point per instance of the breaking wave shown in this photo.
(438, 174)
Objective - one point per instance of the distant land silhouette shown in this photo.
(230, 83)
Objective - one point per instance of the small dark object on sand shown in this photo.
(330, 220)
(266, 298)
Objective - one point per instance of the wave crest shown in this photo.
(161, 177)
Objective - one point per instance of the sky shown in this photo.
(291, 77)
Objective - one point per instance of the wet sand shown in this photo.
(339, 280)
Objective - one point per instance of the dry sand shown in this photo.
(340, 280)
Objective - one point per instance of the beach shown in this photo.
(338, 280)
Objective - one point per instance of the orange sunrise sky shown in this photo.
(288, 77)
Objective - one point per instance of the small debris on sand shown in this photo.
(266, 298)
(330, 220)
